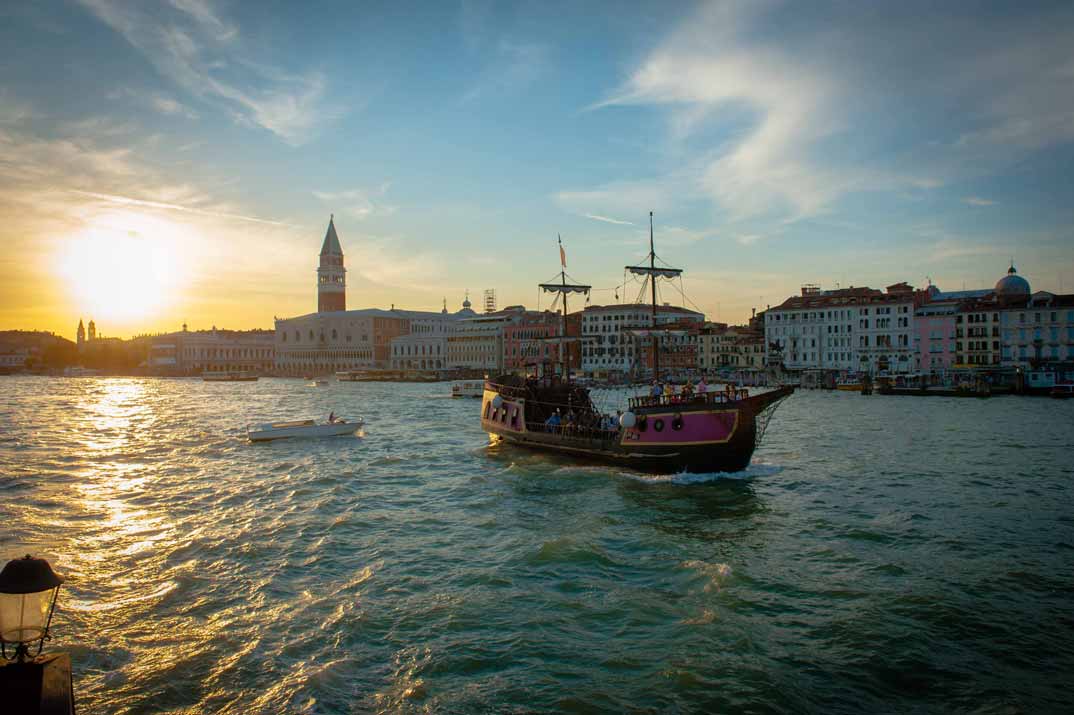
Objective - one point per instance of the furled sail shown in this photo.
(652, 271)
(564, 288)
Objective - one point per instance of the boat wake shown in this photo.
(687, 478)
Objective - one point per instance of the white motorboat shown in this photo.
(468, 388)
(302, 428)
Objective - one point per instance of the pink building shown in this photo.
(936, 329)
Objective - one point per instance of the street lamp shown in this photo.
(28, 588)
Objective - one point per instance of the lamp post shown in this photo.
(28, 588)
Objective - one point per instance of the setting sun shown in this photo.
(124, 266)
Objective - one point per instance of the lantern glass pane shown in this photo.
(23, 616)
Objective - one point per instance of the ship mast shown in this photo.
(564, 288)
(652, 273)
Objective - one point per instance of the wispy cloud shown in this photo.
(513, 66)
(203, 54)
(789, 115)
(142, 203)
(978, 201)
(360, 203)
(605, 219)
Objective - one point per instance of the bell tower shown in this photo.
(331, 275)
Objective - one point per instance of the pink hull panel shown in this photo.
(697, 428)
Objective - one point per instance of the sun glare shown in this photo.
(125, 265)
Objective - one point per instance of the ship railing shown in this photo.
(572, 430)
(703, 398)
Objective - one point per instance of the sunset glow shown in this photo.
(124, 266)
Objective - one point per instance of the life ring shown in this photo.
(658, 425)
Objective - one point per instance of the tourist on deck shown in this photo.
(656, 391)
(702, 387)
(553, 422)
(669, 390)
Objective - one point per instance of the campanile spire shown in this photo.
(331, 275)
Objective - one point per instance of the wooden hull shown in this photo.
(690, 436)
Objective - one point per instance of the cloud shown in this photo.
(360, 203)
(142, 203)
(201, 53)
(513, 65)
(978, 201)
(788, 111)
(619, 198)
(605, 219)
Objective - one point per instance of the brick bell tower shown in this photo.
(331, 275)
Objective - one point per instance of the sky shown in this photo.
(178, 161)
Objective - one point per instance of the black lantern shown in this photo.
(28, 588)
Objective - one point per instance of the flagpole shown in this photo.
(563, 331)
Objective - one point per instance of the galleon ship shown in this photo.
(700, 432)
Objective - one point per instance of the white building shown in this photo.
(609, 347)
(189, 352)
(425, 347)
(476, 343)
(852, 329)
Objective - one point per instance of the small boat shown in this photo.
(320, 382)
(1062, 391)
(302, 428)
(228, 376)
(468, 388)
(849, 384)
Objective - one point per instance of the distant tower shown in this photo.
(331, 275)
(490, 300)
(443, 311)
(92, 332)
(80, 334)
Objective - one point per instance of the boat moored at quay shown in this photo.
(700, 432)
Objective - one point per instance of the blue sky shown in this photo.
(778, 144)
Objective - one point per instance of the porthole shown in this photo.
(676, 423)
(658, 425)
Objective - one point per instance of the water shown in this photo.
(882, 553)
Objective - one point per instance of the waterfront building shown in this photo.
(532, 340)
(723, 346)
(424, 347)
(849, 329)
(709, 339)
(1037, 329)
(12, 361)
(610, 347)
(335, 339)
(193, 352)
(476, 343)
(935, 328)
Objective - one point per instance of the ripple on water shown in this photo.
(421, 569)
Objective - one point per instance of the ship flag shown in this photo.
(562, 254)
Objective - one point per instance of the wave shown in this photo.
(688, 478)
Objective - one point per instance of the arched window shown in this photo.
(334, 336)
(311, 336)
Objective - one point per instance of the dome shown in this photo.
(1012, 285)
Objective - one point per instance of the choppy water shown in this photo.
(883, 553)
